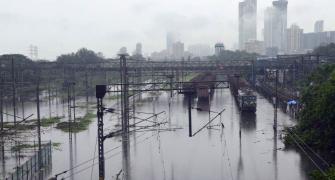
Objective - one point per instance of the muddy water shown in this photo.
(246, 148)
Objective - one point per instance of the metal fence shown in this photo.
(31, 169)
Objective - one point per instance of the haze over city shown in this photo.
(167, 89)
(62, 26)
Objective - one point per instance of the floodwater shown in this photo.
(245, 148)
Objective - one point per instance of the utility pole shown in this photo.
(171, 79)
(86, 85)
(189, 96)
(253, 73)
(39, 126)
(100, 93)
(125, 98)
(276, 101)
(74, 102)
(1, 97)
(14, 90)
(74, 96)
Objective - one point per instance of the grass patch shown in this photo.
(31, 124)
(114, 97)
(46, 122)
(56, 145)
(190, 77)
(81, 124)
(20, 147)
(20, 127)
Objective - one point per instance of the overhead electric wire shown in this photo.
(303, 142)
(95, 148)
(89, 160)
(219, 114)
(304, 151)
(229, 164)
(109, 157)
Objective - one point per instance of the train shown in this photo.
(245, 97)
(203, 85)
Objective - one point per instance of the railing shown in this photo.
(31, 169)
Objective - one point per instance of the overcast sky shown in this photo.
(63, 26)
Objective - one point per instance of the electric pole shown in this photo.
(276, 101)
(39, 126)
(14, 90)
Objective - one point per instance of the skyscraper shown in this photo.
(170, 40)
(138, 50)
(294, 39)
(318, 26)
(268, 27)
(280, 24)
(247, 22)
(275, 26)
(178, 50)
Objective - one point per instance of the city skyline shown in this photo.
(62, 31)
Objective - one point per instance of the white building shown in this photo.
(199, 50)
(255, 46)
(294, 39)
(275, 26)
(178, 50)
(247, 22)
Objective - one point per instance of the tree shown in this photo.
(234, 55)
(83, 55)
(328, 50)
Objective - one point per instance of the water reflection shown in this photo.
(248, 121)
(275, 149)
(126, 157)
(2, 158)
(71, 156)
(203, 105)
(240, 161)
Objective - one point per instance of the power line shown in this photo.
(87, 161)
(229, 164)
(316, 154)
(113, 155)
(303, 150)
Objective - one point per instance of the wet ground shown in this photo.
(245, 148)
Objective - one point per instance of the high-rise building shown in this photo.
(254, 46)
(294, 39)
(247, 22)
(275, 26)
(317, 38)
(313, 40)
(170, 40)
(199, 50)
(268, 27)
(318, 26)
(178, 50)
(280, 24)
(138, 50)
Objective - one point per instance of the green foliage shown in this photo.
(316, 121)
(190, 76)
(330, 175)
(20, 147)
(46, 122)
(81, 124)
(328, 50)
(83, 55)
(235, 55)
